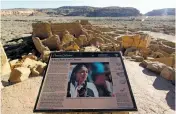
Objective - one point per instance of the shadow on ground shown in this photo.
(148, 72)
(21, 46)
(5, 83)
(162, 84)
(170, 98)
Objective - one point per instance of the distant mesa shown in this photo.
(77, 11)
(161, 12)
(88, 11)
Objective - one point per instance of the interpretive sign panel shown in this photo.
(85, 81)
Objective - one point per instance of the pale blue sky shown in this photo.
(143, 5)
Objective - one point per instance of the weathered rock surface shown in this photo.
(156, 66)
(138, 58)
(30, 56)
(90, 49)
(169, 61)
(13, 63)
(52, 42)
(145, 63)
(39, 45)
(5, 66)
(41, 30)
(81, 41)
(67, 37)
(130, 54)
(167, 49)
(32, 63)
(168, 73)
(19, 74)
(72, 47)
(157, 55)
(131, 49)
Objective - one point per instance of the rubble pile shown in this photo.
(155, 55)
(21, 69)
(28, 66)
(75, 36)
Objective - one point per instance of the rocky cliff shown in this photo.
(76, 11)
(161, 12)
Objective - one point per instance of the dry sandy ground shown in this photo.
(153, 94)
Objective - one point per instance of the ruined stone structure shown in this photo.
(84, 37)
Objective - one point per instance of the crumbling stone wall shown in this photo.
(42, 30)
(74, 29)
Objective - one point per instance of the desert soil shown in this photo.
(153, 94)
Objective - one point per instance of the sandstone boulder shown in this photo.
(131, 49)
(34, 72)
(138, 41)
(37, 67)
(5, 66)
(157, 55)
(130, 54)
(52, 42)
(137, 58)
(72, 47)
(37, 70)
(168, 73)
(45, 56)
(13, 63)
(156, 66)
(32, 63)
(145, 63)
(169, 43)
(145, 52)
(19, 74)
(167, 49)
(110, 47)
(150, 58)
(67, 37)
(39, 45)
(30, 55)
(90, 49)
(154, 47)
(96, 41)
(164, 53)
(169, 61)
(81, 41)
